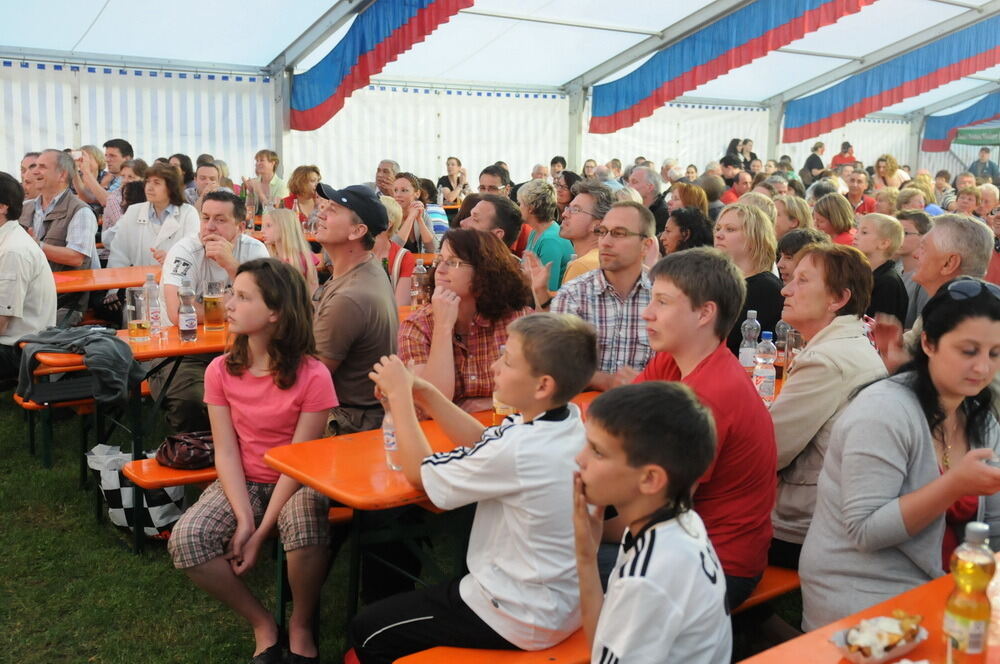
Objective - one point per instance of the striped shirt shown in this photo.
(474, 353)
(621, 332)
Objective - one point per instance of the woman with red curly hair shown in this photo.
(453, 341)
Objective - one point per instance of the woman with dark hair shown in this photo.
(302, 198)
(451, 342)
(746, 154)
(468, 203)
(183, 162)
(415, 233)
(454, 184)
(270, 375)
(564, 189)
(826, 297)
(148, 230)
(686, 227)
(905, 468)
(733, 148)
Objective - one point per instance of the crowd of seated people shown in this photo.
(584, 277)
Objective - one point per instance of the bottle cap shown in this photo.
(150, 276)
(977, 532)
(752, 313)
(420, 261)
(766, 336)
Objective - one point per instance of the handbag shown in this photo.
(187, 451)
(161, 508)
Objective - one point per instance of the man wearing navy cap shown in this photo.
(355, 320)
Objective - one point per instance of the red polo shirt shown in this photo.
(735, 496)
(729, 196)
(865, 206)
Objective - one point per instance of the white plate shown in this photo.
(839, 639)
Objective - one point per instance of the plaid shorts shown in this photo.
(203, 532)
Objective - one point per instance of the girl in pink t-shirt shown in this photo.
(268, 390)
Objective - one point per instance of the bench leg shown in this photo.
(31, 431)
(281, 588)
(138, 499)
(83, 451)
(47, 437)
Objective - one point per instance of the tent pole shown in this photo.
(577, 103)
(775, 112)
(282, 109)
(917, 121)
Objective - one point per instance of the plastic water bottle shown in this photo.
(420, 286)
(153, 306)
(389, 440)
(763, 371)
(780, 339)
(187, 316)
(748, 347)
(967, 613)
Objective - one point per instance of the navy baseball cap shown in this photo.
(362, 201)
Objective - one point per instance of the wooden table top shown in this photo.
(79, 281)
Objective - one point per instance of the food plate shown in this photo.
(839, 639)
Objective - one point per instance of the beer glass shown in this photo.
(137, 314)
(215, 308)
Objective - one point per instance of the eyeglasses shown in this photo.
(452, 263)
(909, 234)
(560, 185)
(965, 289)
(617, 233)
(491, 189)
(572, 209)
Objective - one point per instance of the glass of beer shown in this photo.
(137, 314)
(215, 308)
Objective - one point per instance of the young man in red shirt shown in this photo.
(696, 297)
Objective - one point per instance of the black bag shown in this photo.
(187, 451)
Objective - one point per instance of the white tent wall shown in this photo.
(954, 161)
(159, 115)
(870, 138)
(690, 133)
(421, 127)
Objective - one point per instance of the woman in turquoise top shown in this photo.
(537, 200)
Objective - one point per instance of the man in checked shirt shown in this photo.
(612, 297)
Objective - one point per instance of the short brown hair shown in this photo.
(844, 268)
(298, 184)
(838, 210)
(562, 346)
(270, 155)
(172, 178)
(706, 274)
(647, 222)
(971, 191)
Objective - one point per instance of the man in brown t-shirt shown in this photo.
(356, 319)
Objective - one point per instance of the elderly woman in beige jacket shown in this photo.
(824, 301)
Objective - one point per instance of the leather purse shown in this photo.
(187, 451)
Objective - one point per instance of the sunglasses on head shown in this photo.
(966, 289)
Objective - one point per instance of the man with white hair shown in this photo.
(540, 172)
(990, 199)
(665, 167)
(605, 176)
(646, 181)
(713, 168)
(385, 177)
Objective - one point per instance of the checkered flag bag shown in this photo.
(161, 508)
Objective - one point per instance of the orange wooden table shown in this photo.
(79, 281)
(927, 600)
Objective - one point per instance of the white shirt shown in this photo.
(186, 260)
(666, 599)
(138, 231)
(522, 567)
(27, 289)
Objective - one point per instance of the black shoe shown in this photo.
(294, 658)
(273, 655)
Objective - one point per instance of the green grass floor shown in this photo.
(71, 590)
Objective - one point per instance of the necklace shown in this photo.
(942, 438)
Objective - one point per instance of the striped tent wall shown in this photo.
(870, 138)
(159, 112)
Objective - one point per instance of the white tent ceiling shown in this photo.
(522, 44)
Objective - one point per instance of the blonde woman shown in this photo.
(397, 260)
(834, 215)
(746, 234)
(285, 241)
(918, 194)
(90, 179)
(885, 200)
(791, 212)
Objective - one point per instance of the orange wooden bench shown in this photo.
(776, 581)
(149, 474)
(81, 407)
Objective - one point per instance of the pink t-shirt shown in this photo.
(265, 416)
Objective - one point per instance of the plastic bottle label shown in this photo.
(389, 438)
(187, 322)
(964, 635)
